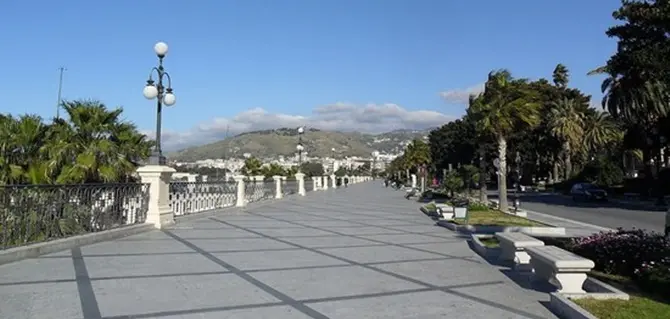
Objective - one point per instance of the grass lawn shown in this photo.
(635, 308)
(430, 207)
(496, 218)
(640, 305)
(490, 242)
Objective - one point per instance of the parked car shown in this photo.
(587, 191)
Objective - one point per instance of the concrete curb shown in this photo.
(533, 231)
(35, 250)
(571, 221)
(565, 308)
(481, 249)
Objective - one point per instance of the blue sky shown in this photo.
(369, 65)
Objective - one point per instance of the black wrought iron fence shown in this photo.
(194, 197)
(36, 213)
(290, 187)
(309, 185)
(255, 191)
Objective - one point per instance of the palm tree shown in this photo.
(561, 76)
(95, 145)
(637, 100)
(475, 103)
(417, 154)
(600, 130)
(507, 105)
(566, 123)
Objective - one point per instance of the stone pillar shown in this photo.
(333, 180)
(277, 179)
(300, 177)
(158, 177)
(413, 180)
(241, 202)
(315, 181)
(324, 181)
(423, 184)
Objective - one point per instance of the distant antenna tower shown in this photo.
(60, 89)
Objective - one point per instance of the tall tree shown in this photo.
(508, 105)
(561, 76)
(567, 125)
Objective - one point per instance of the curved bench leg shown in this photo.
(570, 283)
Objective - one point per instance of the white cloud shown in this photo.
(461, 96)
(369, 118)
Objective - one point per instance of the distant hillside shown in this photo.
(270, 143)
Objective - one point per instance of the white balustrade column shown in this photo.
(278, 193)
(324, 180)
(413, 180)
(300, 177)
(158, 177)
(241, 202)
(333, 180)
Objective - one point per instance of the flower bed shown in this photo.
(635, 261)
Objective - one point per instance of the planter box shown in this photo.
(460, 212)
(481, 249)
(529, 230)
(562, 305)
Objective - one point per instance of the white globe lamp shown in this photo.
(150, 91)
(169, 99)
(161, 49)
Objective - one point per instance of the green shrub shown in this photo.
(602, 172)
(477, 206)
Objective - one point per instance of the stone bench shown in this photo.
(513, 248)
(559, 267)
(446, 211)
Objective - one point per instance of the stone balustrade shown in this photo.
(168, 198)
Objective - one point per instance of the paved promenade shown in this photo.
(360, 252)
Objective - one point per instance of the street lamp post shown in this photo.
(517, 181)
(374, 154)
(163, 95)
(300, 147)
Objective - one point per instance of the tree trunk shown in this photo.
(483, 197)
(648, 172)
(568, 161)
(555, 171)
(502, 173)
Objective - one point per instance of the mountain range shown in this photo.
(317, 143)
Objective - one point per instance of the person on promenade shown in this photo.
(346, 182)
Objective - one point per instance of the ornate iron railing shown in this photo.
(255, 191)
(195, 197)
(289, 187)
(36, 213)
(309, 185)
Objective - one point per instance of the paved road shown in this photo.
(360, 252)
(611, 214)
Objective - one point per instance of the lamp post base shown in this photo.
(157, 158)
